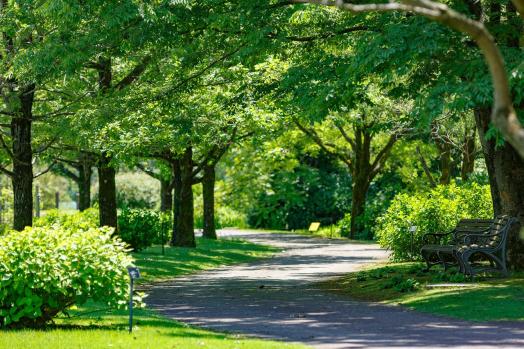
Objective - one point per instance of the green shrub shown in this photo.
(45, 270)
(344, 225)
(141, 228)
(436, 211)
(137, 190)
(78, 220)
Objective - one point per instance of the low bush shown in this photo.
(438, 210)
(344, 225)
(78, 220)
(45, 270)
(137, 190)
(141, 228)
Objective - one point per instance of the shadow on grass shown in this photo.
(208, 254)
(483, 299)
(89, 318)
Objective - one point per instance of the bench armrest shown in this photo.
(436, 236)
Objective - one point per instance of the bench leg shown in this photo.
(426, 255)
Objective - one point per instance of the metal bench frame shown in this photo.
(471, 237)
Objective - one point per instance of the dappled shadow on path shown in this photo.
(276, 299)
(308, 315)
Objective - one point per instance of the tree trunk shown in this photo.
(444, 150)
(208, 195)
(358, 203)
(107, 193)
(22, 178)
(468, 156)
(84, 186)
(177, 188)
(166, 196)
(185, 231)
(506, 176)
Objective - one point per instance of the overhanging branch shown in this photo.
(503, 113)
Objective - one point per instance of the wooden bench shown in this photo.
(471, 238)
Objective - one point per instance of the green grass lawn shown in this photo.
(484, 299)
(93, 327)
(208, 254)
(109, 330)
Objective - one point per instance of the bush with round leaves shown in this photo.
(78, 220)
(45, 270)
(141, 228)
(437, 210)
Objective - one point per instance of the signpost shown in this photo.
(314, 226)
(134, 274)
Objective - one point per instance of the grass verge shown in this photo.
(87, 329)
(484, 299)
(208, 254)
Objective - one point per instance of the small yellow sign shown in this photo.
(314, 226)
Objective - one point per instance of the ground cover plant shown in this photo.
(406, 284)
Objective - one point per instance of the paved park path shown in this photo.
(276, 298)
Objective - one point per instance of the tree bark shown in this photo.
(107, 192)
(445, 163)
(208, 195)
(506, 176)
(358, 203)
(84, 186)
(166, 196)
(361, 178)
(185, 232)
(177, 199)
(426, 169)
(22, 177)
(468, 155)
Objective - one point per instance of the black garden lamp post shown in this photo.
(134, 274)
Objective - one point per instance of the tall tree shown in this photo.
(503, 165)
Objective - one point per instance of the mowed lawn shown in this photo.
(408, 285)
(208, 254)
(93, 326)
(109, 330)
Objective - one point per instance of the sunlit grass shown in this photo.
(109, 330)
(208, 254)
(484, 299)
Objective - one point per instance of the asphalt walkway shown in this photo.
(276, 298)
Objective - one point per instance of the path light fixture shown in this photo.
(134, 274)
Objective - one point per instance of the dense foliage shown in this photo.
(45, 270)
(438, 210)
(141, 228)
(135, 190)
(70, 221)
